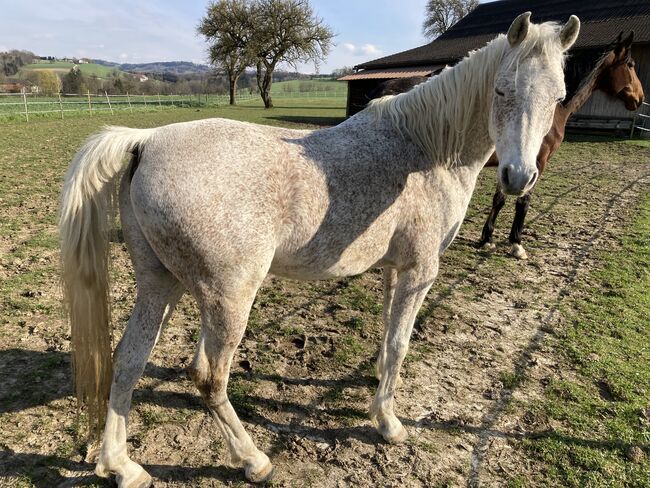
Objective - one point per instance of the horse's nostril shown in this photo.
(533, 179)
(504, 177)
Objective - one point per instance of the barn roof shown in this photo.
(602, 20)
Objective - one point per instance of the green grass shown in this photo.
(604, 411)
(319, 85)
(63, 67)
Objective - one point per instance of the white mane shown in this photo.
(437, 114)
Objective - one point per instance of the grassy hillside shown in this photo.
(63, 67)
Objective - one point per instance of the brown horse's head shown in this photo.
(619, 78)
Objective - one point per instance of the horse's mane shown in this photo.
(438, 114)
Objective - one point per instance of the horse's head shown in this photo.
(528, 85)
(619, 77)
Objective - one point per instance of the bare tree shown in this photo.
(228, 28)
(440, 15)
(286, 31)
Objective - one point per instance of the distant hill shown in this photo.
(175, 67)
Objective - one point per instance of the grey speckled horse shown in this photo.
(213, 206)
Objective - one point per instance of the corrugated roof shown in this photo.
(602, 20)
(386, 74)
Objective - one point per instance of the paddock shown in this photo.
(487, 350)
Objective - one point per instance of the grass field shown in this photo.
(533, 373)
(318, 85)
(63, 67)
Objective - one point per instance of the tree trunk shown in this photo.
(232, 80)
(264, 82)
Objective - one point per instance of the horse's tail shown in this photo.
(85, 222)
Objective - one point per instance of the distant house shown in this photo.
(141, 77)
(602, 20)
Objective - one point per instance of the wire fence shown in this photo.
(26, 105)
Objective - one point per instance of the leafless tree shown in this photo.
(440, 15)
(228, 28)
(286, 31)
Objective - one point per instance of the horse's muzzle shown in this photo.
(517, 181)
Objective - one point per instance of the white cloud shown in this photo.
(123, 56)
(364, 50)
(370, 50)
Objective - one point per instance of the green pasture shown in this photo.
(318, 85)
(63, 67)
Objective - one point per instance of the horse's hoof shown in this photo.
(101, 470)
(393, 433)
(488, 246)
(256, 474)
(141, 480)
(518, 251)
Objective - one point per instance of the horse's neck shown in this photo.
(450, 113)
(589, 85)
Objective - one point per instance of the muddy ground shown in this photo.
(303, 377)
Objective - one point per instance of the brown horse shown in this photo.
(614, 74)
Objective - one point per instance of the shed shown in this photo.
(602, 20)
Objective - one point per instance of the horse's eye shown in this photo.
(499, 92)
(631, 64)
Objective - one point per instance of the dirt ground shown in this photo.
(303, 378)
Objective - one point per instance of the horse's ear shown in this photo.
(628, 40)
(569, 32)
(519, 29)
(623, 45)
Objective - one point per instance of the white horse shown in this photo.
(215, 205)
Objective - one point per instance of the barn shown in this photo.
(602, 20)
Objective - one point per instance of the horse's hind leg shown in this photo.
(158, 293)
(152, 309)
(390, 279)
(224, 318)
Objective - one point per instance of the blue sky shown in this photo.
(165, 30)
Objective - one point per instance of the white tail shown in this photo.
(84, 225)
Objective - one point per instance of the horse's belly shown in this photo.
(316, 262)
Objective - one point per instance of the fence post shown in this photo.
(159, 104)
(129, 100)
(26, 111)
(109, 102)
(144, 97)
(90, 105)
(60, 105)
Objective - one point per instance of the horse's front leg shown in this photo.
(411, 288)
